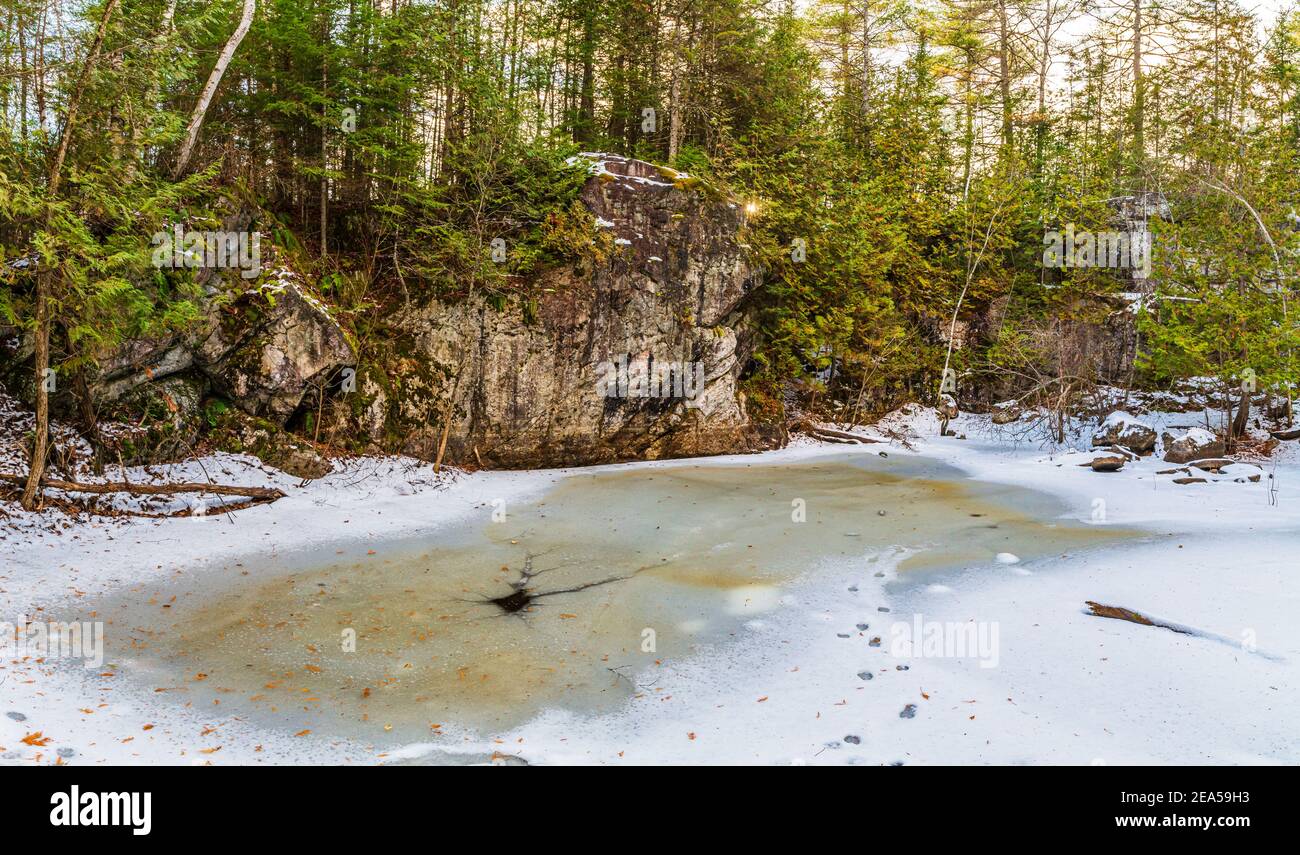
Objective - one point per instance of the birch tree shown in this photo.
(210, 89)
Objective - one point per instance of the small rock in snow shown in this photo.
(1107, 463)
(16, 716)
(909, 711)
(853, 740)
(866, 675)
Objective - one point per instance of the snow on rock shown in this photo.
(1006, 413)
(628, 170)
(1124, 429)
(1195, 444)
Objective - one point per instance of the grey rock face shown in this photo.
(572, 385)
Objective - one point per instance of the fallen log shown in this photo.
(832, 435)
(264, 493)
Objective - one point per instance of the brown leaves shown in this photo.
(36, 739)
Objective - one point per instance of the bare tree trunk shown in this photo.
(324, 144)
(675, 95)
(1239, 424)
(1004, 75)
(210, 88)
(22, 67)
(45, 274)
(1139, 89)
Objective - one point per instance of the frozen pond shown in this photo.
(564, 601)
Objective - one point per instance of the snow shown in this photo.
(1199, 436)
(597, 165)
(1217, 559)
(1119, 418)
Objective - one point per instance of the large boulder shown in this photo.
(271, 345)
(1120, 428)
(638, 355)
(264, 341)
(1196, 444)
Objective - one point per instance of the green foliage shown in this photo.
(915, 152)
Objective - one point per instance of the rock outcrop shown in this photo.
(263, 343)
(634, 353)
(639, 358)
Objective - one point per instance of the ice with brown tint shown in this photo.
(574, 601)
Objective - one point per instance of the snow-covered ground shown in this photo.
(803, 684)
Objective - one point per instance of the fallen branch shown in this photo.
(1121, 613)
(831, 435)
(263, 493)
